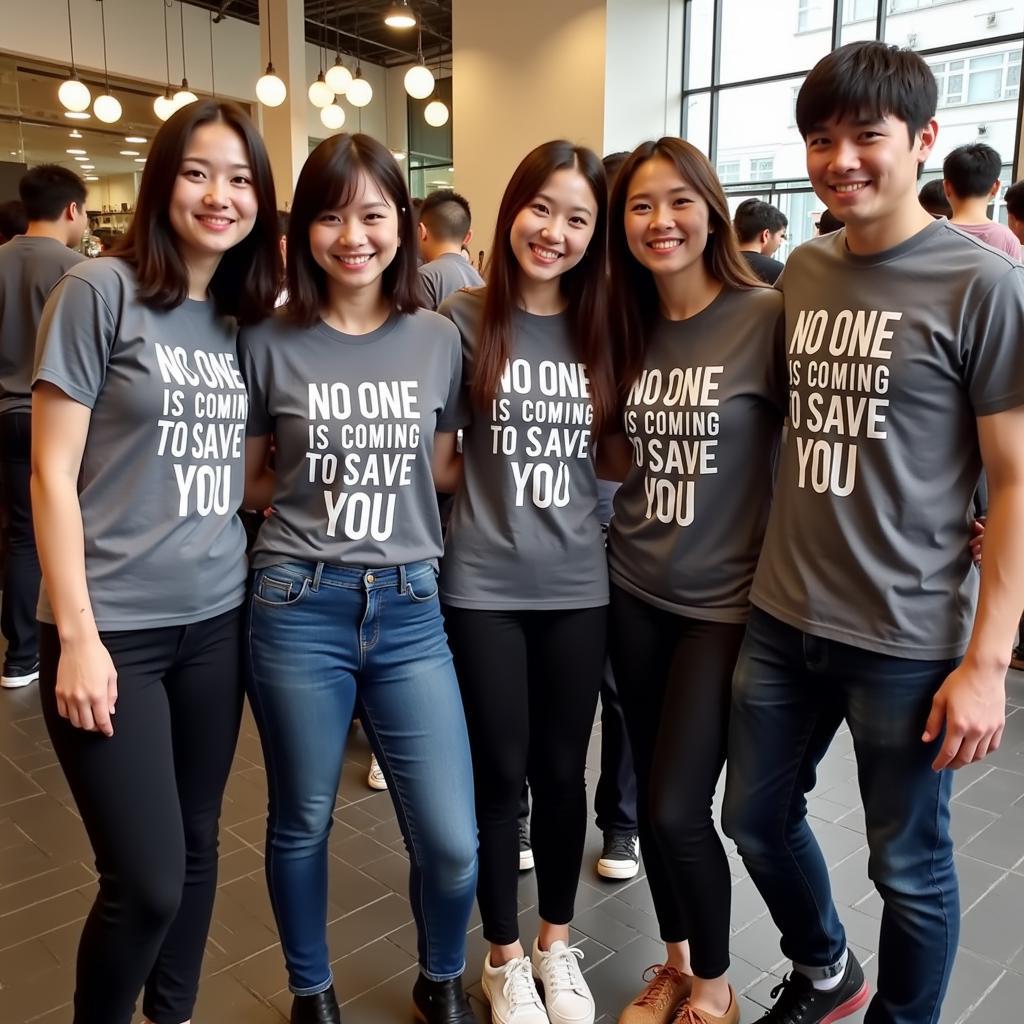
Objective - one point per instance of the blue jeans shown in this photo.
(791, 691)
(319, 635)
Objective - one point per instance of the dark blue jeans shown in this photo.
(791, 691)
(318, 636)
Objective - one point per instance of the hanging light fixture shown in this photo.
(184, 95)
(73, 94)
(107, 107)
(436, 114)
(163, 105)
(332, 117)
(360, 92)
(270, 90)
(320, 94)
(419, 80)
(338, 77)
(400, 15)
(213, 80)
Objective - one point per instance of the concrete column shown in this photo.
(285, 127)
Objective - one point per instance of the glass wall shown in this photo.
(740, 83)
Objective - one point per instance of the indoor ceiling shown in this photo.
(360, 27)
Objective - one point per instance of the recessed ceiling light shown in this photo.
(451, 170)
(82, 159)
(91, 177)
(75, 152)
(88, 167)
(74, 134)
(398, 154)
(140, 160)
(77, 115)
(134, 138)
(129, 152)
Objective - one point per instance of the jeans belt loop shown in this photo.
(316, 577)
(403, 583)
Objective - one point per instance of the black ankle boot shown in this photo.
(441, 1002)
(319, 1009)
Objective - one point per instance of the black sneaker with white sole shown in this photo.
(16, 676)
(525, 849)
(799, 1002)
(620, 857)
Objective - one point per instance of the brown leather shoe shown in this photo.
(688, 1014)
(657, 1003)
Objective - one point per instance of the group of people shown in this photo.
(757, 587)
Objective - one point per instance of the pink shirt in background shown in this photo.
(997, 235)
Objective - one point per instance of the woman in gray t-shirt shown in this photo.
(139, 414)
(524, 578)
(703, 385)
(358, 390)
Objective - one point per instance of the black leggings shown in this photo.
(529, 683)
(150, 800)
(674, 676)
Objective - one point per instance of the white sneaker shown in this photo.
(566, 995)
(375, 777)
(14, 678)
(511, 992)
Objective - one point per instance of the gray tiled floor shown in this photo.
(47, 883)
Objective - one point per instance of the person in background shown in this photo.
(933, 198)
(12, 220)
(761, 229)
(1014, 200)
(445, 231)
(971, 180)
(31, 263)
(828, 222)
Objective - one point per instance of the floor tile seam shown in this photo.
(967, 1013)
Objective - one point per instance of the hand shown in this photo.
(87, 686)
(977, 538)
(972, 704)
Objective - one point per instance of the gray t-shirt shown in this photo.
(525, 530)
(163, 467)
(445, 275)
(353, 419)
(29, 268)
(703, 422)
(891, 359)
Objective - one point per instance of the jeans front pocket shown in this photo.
(276, 588)
(422, 586)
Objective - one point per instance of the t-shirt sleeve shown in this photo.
(991, 347)
(455, 414)
(74, 341)
(254, 371)
(429, 288)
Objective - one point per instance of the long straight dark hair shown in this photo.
(328, 180)
(584, 286)
(634, 293)
(248, 276)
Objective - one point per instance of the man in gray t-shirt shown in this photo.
(444, 232)
(30, 265)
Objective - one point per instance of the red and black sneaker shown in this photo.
(799, 1002)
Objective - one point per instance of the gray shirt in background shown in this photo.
(29, 268)
(703, 421)
(525, 530)
(892, 357)
(447, 274)
(163, 467)
(353, 419)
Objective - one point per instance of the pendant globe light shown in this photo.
(436, 114)
(400, 15)
(163, 105)
(107, 107)
(360, 92)
(332, 117)
(184, 95)
(320, 94)
(338, 77)
(73, 93)
(270, 90)
(419, 80)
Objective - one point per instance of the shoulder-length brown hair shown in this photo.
(583, 286)
(248, 276)
(328, 180)
(634, 294)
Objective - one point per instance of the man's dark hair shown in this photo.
(869, 80)
(283, 220)
(612, 165)
(933, 198)
(12, 219)
(47, 190)
(828, 222)
(1014, 200)
(754, 216)
(446, 215)
(972, 170)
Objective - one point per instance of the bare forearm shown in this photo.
(259, 491)
(447, 473)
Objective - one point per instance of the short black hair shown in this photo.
(446, 215)
(828, 222)
(613, 164)
(933, 198)
(868, 80)
(47, 190)
(283, 220)
(12, 219)
(972, 170)
(1014, 200)
(753, 216)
